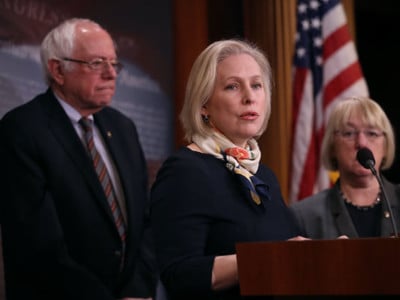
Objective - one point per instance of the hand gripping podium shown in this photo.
(365, 266)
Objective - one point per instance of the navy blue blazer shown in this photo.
(59, 237)
(200, 210)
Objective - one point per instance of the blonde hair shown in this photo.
(202, 79)
(371, 114)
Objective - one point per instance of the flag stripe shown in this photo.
(341, 82)
(335, 41)
(309, 171)
(334, 64)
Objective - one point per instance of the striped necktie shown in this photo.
(103, 177)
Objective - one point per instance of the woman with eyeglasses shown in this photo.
(354, 206)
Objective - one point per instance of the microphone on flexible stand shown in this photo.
(367, 160)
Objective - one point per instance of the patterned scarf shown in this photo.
(242, 162)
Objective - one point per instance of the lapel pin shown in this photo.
(109, 134)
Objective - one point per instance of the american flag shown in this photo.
(325, 70)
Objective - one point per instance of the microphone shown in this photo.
(367, 160)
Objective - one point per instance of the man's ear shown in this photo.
(56, 70)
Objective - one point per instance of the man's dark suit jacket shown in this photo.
(59, 237)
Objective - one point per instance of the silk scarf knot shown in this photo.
(242, 162)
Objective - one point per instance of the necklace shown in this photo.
(362, 207)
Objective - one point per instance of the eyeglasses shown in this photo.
(98, 64)
(352, 134)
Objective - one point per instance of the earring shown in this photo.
(205, 118)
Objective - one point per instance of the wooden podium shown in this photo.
(320, 267)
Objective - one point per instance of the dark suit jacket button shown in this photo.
(117, 253)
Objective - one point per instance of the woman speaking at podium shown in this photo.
(214, 192)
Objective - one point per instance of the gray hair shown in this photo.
(60, 42)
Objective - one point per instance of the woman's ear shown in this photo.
(204, 110)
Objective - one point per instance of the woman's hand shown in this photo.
(343, 237)
(299, 238)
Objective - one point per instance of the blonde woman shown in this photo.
(214, 192)
(354, 206)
